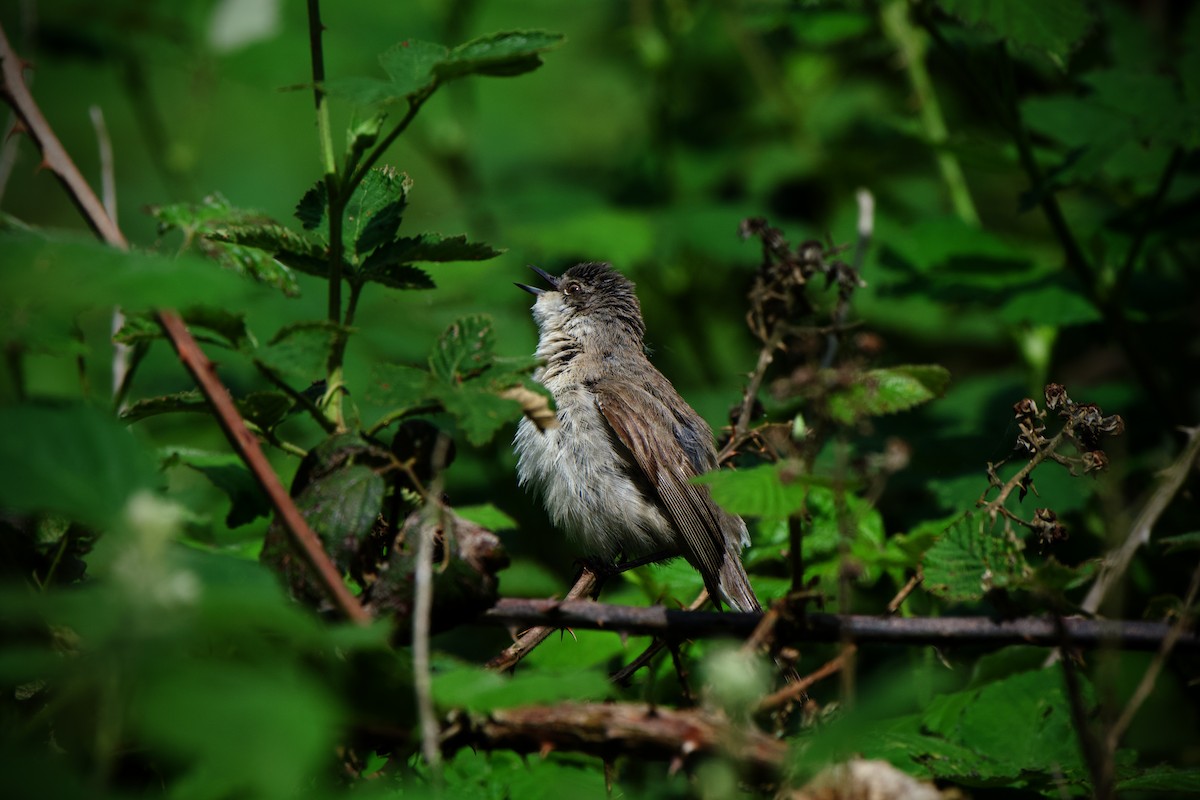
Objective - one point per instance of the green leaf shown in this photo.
(398, 386)
(189, 401)
(70, 460)
(399, 276)
(375, 210)
(767, 490)
(363, 90)
(488, 516)
(478, 411)
(1018, 725)
(203, 225)
(969, 559)
(301, 349)
(410, 66)
(887, 391)
(285, 723)
(390, 262)
(305, 253)
(476, 689)
(342, 507)
(463, 350)
(1054, 28)
(265, 409)
(498, 54)
(1162, 780)
(227, 472)
(1182, 542)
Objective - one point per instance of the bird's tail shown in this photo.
(734, 584)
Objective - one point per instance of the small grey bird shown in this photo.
(614, 473)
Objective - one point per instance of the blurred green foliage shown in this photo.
(1035, 189)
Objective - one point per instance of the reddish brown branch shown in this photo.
(56, 159)
(246, 445)
(942, 631)
(611, 730)
(794, 690)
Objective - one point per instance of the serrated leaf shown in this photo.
(305, 253)
(400, 276)
(1184, 541)
(1053, 28)
(375, 211)
(71, 460)
(499, 54)
(429, 247)
(463, 350)
(363, 90)
(767, 490)
(969, 559)
(887, 391)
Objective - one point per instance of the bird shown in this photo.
(615, 473)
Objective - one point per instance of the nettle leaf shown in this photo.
(375, 210)
(1053, 28)
(265, 409)
(391, 264)
(767, 490)
(204, 224)
(499, 54)
(887, 391)
(464, 350)
(305, 253)
(969, 559)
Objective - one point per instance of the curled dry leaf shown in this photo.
(535, 405)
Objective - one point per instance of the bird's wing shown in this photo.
(637, 418)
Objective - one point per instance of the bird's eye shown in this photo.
(570, 288)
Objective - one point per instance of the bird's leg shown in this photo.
(653, 558)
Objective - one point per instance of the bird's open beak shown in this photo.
(546, 276)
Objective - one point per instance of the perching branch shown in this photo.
(56, 159)
(818, 627)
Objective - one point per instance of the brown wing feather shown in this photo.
(668, 469)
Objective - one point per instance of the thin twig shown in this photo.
(587, 584)
(742, 426)
(894, 604)
(1116, 563)
(423, 610)
(821, 627)
(792, 691)
(1146, 685)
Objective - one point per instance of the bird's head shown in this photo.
(588, 299)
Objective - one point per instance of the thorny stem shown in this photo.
(1046, 451)
(587, 584)
(796, 689)
(423, 609)
(1099, 765)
